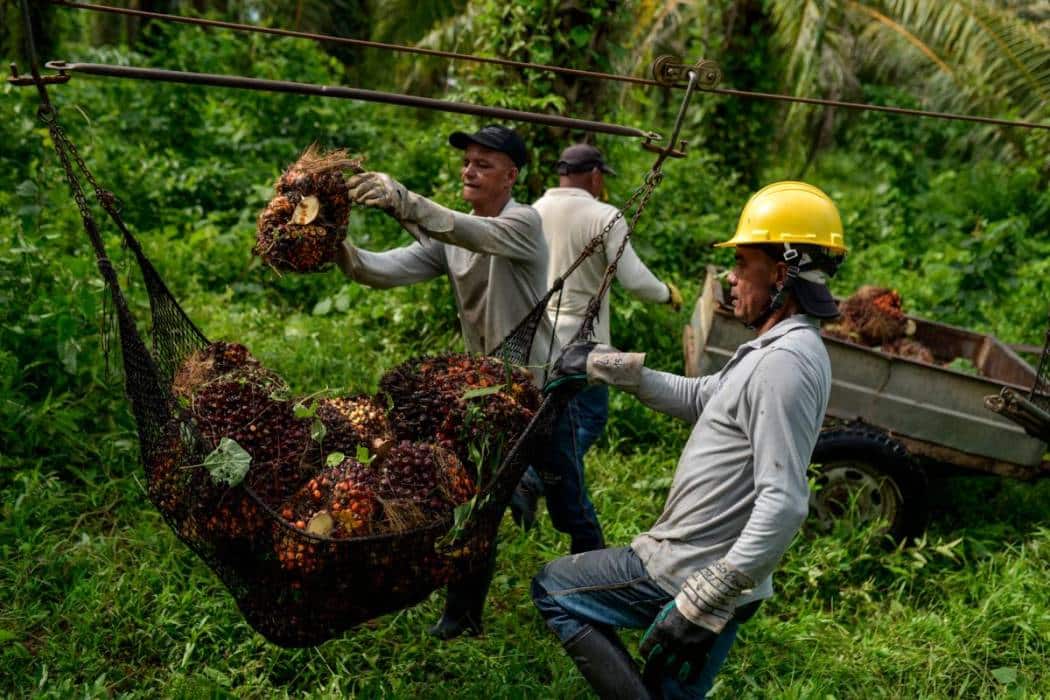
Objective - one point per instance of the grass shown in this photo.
(99, 599)
(102, 600)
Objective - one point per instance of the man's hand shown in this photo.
(675, 646)
(674, 297)
(379, 190)
(682, 635)
(570, 367)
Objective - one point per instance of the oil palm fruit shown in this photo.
(302, 227)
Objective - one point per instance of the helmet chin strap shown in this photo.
(779, 291)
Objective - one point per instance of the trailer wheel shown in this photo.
(866, 475)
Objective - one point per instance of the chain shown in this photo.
(63, 147)
(643, 194)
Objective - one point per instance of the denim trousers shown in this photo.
(557, 471)
(610, 588)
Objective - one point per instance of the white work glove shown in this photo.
(379, 190)
(607, 365)
(708, 597)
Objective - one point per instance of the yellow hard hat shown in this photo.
(789, 212)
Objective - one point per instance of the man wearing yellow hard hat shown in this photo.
(739, 492)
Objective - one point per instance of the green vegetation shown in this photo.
(101, 599)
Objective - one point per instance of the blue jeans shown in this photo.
(558, 472)
(611, 588)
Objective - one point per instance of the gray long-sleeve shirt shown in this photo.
(740, 489)
(572, 217)
(497, 266)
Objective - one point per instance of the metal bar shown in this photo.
(233, 81)
(540, 66)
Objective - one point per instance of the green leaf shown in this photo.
(482, 391)
(463, 511)
(363, 455)
(323, 307)
(334, 458)
(1006, 675)
(317, 430)
(228, 463)
(7, 636)
(302, 411)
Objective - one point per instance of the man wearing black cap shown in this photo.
(495, 259)
(572, 217)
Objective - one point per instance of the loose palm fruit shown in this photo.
(353, 421)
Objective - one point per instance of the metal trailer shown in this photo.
(892, 422)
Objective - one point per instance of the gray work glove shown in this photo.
(588, 362)
(680, 638)
(414, 211)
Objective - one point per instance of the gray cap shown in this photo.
(582, 158)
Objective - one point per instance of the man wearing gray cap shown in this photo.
(495, 259)
(572, 216)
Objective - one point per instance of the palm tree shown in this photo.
(969, 56)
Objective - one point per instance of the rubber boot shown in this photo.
(464, 604)
(606, 664)
(524, 503)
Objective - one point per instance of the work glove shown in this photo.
(570, 369)
(679, 640)
(674, 297)
(587, 362)
(414, 211)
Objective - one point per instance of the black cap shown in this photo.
(582, 158)
(498, 138)
(815, 299)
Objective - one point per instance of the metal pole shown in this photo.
(232, 81)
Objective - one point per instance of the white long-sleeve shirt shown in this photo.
(740, 489)
(572, 217)
(497, 266)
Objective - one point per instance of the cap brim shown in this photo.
(460, 140)
(815, 299)
(607, 170)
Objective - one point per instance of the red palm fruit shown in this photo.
(237, 519)
(248, 406)
(354, 421)
(300, 230)
(875, 315)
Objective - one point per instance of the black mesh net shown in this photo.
(295, 582)
(310, 540)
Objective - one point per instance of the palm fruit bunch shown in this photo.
(874, 314)
(355, 421)
(169, 484)
(228, 393)
(910, 349)
(410, 486)
(332, 504)
(302, 227)
(475, 406)
(204, 365)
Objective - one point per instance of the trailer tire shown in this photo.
(873, 471)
